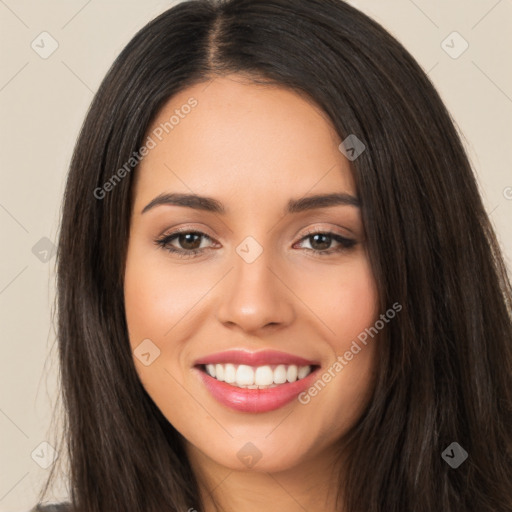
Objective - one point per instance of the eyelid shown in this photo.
(331, 228)
(186, 229)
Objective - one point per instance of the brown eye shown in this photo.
(189, 243)
(321, 241)
(189, 240)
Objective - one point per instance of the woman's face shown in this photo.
(260, 282)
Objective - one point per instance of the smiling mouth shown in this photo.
(257, 377)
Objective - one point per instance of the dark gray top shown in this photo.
(54, 507)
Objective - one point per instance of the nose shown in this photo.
(255, 297)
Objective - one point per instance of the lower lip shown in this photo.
(256, 400)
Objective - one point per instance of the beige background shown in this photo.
(43, 103)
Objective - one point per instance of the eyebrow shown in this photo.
(209, 204)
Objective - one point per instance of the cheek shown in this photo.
(156, 305)
(348, 306)
(344, 299)
(356, 300)
(155, 301)
(157, 297)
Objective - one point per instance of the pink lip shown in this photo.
(256, 400)
(263, 357)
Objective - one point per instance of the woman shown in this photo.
(275, 291)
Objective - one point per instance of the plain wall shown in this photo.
(43, 102)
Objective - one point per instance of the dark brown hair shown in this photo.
(445, 363)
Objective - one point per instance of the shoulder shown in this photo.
(54, 507)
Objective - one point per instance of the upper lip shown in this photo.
(260, 358)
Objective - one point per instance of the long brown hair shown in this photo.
(445, 363)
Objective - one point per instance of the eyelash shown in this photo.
(163, 242)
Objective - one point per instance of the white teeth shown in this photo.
(229, 373)
(304, 371)
(291, 373)
(263, 376)
(260, 377)
(280, 374)
(210, 368)
(244, 375)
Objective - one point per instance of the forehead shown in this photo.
(242, 140)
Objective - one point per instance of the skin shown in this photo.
(252, 148)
